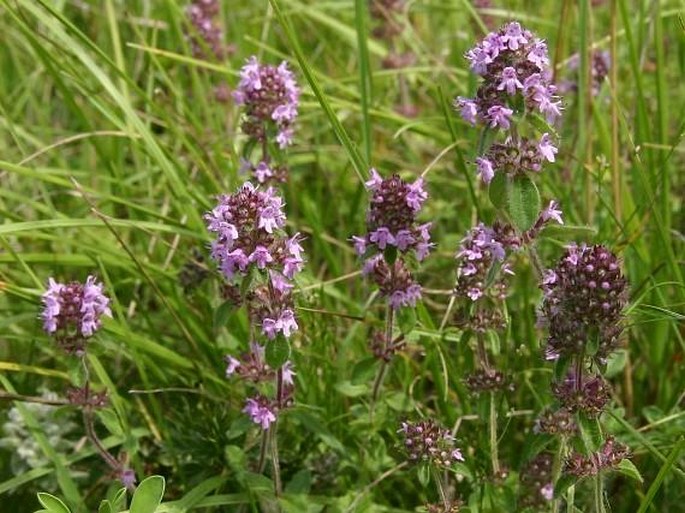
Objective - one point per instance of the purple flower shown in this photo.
(552, 212)
(285, 324)
(233, 364)
(547, 491)
(485, 170)
(127, 478)
(259, 412)
(288, 373)
(261, 257)
(498, 115)
(262, 172)
(514, 36)
(359, 245)
(407, 297)
(382, 237)
(284, 138)
(546, 148)
(468, 109)
(538, 54)
(375, 181)
(510, 82)
(416, 195)
(51, 305)
(279, 281)
(404, 239)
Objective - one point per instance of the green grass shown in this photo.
(112, 147)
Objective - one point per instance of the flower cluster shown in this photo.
(516, 76)
(486, 380)
(426, 441)
(247, 226)
(515, 156)
(264, 411)
(253, 367)
(512, 62)
(559, 422)
(83, 396)
(608, 456)
(479, 252)
(392, 227)
(537, 488)
(584, 298)
(202, 15)
(590, 396)
(72, 312)
(270, 97)
(250, 241)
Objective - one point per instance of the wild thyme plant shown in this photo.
(72, 314)
(393, 241)
(270, 98)
(582, 309)
(260, 261)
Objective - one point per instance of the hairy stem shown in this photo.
(276, 467)
(382, 370)
(493, 434)
(441, 487)
(599, 494)
(556, 470)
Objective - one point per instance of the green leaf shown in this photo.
(277, 352)
(119, 500)
(76, 372)
(498, 190)
(523, 202)
(628, 468)
(105, 507)
(363, 371)
(424, 474)
(564, 483)
(111, 421)
(406, 319)
(300, 483)
(590, 432)
(52, 503)
(390, 254)
(399, 401)
(223, 313)
(148, 495)
(350, 390)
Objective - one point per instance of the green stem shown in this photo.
(599, 494)
(570, 499)
(441, 487)
(276, 467)
(556, 470)
(380, 376)
(493, 434)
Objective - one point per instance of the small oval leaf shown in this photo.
(148, 495)
(277, 352)
(523, 202)
(52, 503)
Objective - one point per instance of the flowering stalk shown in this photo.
(72, 314)
(260, 261)
(428, 444)
(393, 238)
(582, 309)
(270, 99)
